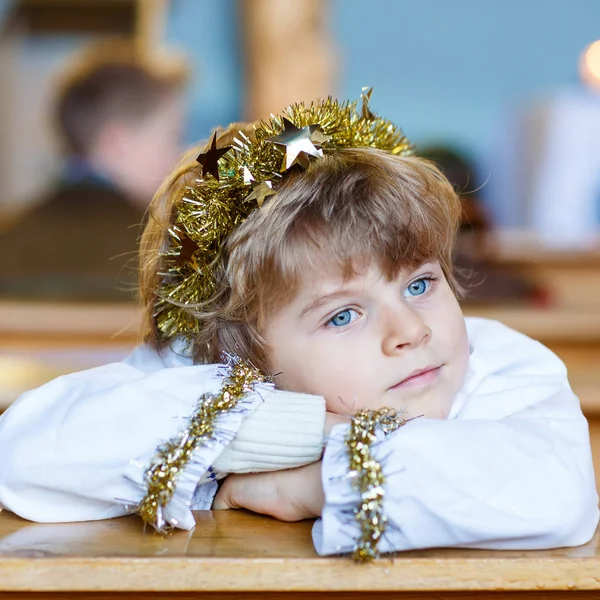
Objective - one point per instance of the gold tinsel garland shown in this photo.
(174, 455)
(213, 207)
(368, 478)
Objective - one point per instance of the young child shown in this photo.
(316, 251)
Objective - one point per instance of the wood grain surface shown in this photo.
(236, 551)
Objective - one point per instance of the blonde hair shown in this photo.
(352, 207)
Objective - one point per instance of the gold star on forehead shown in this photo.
(299, 144)
(210, 159)
(260, 192)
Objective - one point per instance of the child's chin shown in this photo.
(340, 409)
(432, 409)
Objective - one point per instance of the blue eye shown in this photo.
(342, 318)
(418, 287)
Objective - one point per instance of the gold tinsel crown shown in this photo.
(238, 179)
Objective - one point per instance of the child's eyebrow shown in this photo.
(321, 300)
(345, 292)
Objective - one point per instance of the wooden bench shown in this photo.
(237, 554)
(572, 277)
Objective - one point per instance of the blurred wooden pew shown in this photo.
(48, 323)
(570, 277)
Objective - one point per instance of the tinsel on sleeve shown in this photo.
(173, 456)
(368, 478)
(237, 180)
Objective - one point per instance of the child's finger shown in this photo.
(257, 492)
(224, 499)
(219, 503)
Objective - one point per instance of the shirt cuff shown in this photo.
(336, 531)
(284, 431)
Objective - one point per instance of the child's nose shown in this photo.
(402, 328)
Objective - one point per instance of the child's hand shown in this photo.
(290, 495)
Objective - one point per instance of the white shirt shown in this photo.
(510, 468)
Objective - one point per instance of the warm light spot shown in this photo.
(590, 64)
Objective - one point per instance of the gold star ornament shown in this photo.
(366, 98)
(299, 144)
(188, 248)
(210, 159)
(260, 192)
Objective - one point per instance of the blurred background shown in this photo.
(99, 97)
(507, 85)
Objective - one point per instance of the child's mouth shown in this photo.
(419, 378)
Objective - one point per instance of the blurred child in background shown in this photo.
(120, 120)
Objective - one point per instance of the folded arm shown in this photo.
(524, 482)
(77, 448)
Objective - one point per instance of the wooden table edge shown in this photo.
(297, 575)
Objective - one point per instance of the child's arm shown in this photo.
(76, 448)
(521, 483)
(512, 471)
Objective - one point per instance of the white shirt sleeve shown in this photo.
(76, 448)
(511, 468)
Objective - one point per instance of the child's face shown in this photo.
(362, 343)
